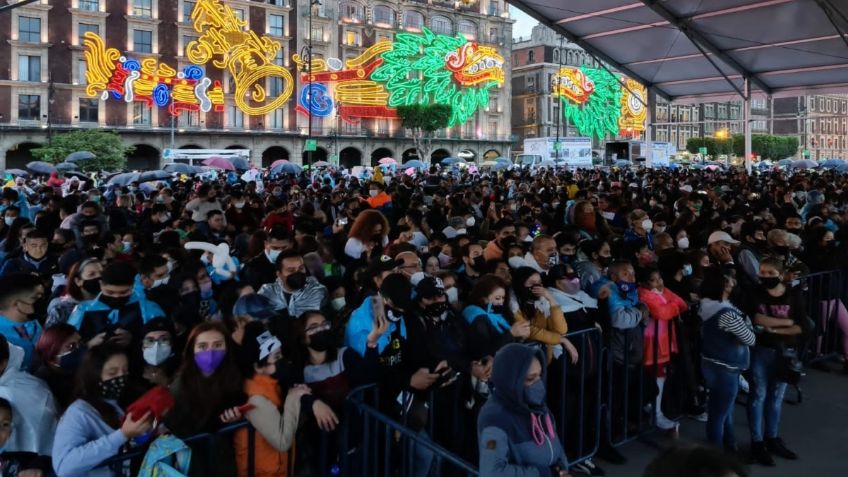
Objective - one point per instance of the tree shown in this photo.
(106, 145)
(767, 146)
(424, 120)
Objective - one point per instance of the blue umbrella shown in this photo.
(413, 163)
(784, 162)
(66, 166)
(832, 163)
(503, 160)
(79, 156)
(41, 168)
(287, 168)
(181, 168)
(17, 172)
(150, 176)
(621, 163)
(239, 162)
(843, 168)
(124, 178)
(449, 161)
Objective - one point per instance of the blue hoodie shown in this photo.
(515, 440)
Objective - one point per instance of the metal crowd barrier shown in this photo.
(825, 296)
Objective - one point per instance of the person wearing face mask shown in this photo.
(274, 416)
(515, 429)
(118, 313)
(754, 245)
(780, 310)
(208, 391)
(262, 268)
(566, 244)
(18, 296)
(205, 202)
(60, 352)
(94, 427)
(331, 372)
(535, 304)
(294, 291)
(83, 284)
(504, 237)
(594, 258)
(35, 258)
(154, 279)
(641, 227)
(377, 196)
(14, 463)
(491, 322)
(238, 214)
(473, 266)
(542, 255)
(159, 356)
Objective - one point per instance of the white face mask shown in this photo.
(444, 260)
(157, 354)
(470, 222)
(453, 295)
(8, 220)
(683, 243)
(161, 281)
(272, 255)
(239, 205)
(338, 303)
(373, 192)
(170, 266)
(127, 247)
(647, 225)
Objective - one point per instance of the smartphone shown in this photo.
(342, 221)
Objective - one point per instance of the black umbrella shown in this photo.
(66, 166)
(240, 163)
(124, 178)
(151, 176)
(79, 156)
(41, 168)
(181, 168)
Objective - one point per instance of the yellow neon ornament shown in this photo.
(248, 57)
(633, 111)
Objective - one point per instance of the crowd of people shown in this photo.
(181, 308)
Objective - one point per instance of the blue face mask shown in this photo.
(535, 394)
(625, 286)
(687, 270)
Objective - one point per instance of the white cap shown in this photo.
(721, 236)
(686, 188)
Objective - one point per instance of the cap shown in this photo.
(384, 264)
(721, 236)
(429, 287)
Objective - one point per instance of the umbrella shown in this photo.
(415, 163)
(150, 176)
(181, 168)
(387, 161)
(622, 163)
(503, 160)
(784, 162)
(17, 172)
(77, 174)
(832, 163)
(278, 162)
(41, 168)
(66, 166)
(79, 156)
(489, 163)
(287, 168)
(804, 164)
(219, 163)
(843, 168)
(321, 164)
(449, 161)
(240, 163)
(124, 178)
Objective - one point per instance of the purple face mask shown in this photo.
(208, 361)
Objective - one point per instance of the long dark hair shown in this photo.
(519, 278)
(89, 378)
(484, 287)
(208, 396)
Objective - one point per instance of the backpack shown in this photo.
(167, 456)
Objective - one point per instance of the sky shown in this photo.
(523, 23)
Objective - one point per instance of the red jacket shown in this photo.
(663, 308)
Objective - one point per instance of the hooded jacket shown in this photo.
(515, 440)
(93, 317)
(313, 296)
(33, 408)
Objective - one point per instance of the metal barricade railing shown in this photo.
(825, 296)
(389, 448)
(579, 415)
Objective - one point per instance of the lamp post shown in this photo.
(51, 90)
(312, 4)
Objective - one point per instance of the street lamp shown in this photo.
(722, 133)
(51, 90)
(308, 48)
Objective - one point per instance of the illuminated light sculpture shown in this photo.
(248, 57)
(596, 103)
(633, 110)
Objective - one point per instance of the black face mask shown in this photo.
(296, 281)
(114, 302)
(770, 282)
(604, 261)
(165, 296)
(71, 361)
(113, 388)
(761, 244)
(321, 341)
(377, 238)
(91, 238)
(784, 250)
(507, 242)
(497, 309)
(435, 310)
(92, 286)
(478, 263)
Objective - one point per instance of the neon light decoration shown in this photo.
(416, 68)
(248, 57)
(595, 102)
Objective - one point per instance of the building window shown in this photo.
(29, 68)
(141, 114)
(531, 56)
(187, 39)
(276, 87)
(494, 8)
(87, 27)
(413, 20)
(275, 25)
(235, 118)
(441, 25)
(279, 3)
(275, 120)
(352, 38)
(82, 70)
(89, 5)
(467, 28)
(279, 59)
(189, 119)
(317, 33)
(188, 7)
(493, 103)
(239, 13)
(29, 29)
(29, 107)
(352, 12)
(143, 41)
(556, 56)
(493, 35)
(143, 8)
(88, 110)
(384, 15)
